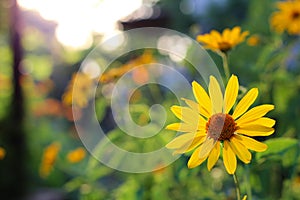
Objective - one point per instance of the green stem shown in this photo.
(237, 187)
(225, 65)
(249, 193)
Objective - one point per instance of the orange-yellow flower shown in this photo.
(287, 17)
(48, 159)
(2, 153)
(140, 75)
(254, 40)
(76, 155)
(208, 126)
(80, 95)
(223, 42)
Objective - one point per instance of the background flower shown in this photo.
(224, 41)
(287, 17)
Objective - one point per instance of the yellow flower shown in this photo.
(254, 40)
(81, 96)
(245, 197)
(2, 153)
(139, 76)
(48, 159)
(208, 126)
(287, 18)
(222, 42)
(76, 155)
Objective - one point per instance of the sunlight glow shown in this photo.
(78, 20)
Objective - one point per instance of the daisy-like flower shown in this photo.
(223, 42)
(208, 126)
(287, 18)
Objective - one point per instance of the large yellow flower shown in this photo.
(222, 42)
(208, 126)
(287, 18)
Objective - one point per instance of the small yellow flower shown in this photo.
(208, 126)
(245, 197)
(222, 42)
(83, 92)
(287, 17)
(48, 159)
(2, 153)
(254, 40)
(76, 155)
(139, 76)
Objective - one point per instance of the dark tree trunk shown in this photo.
(13, 182)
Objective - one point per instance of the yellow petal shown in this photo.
(194, 160)
(182, 127)
(240, 150)
(216, 35)
(213, 156)
(235, 35)
(192, 104)
(229, 158)
(245, 103)
(231, 93)
(226, 34)
(202, 98)
(216, 96)
(263, 121)
(255, 130)
(245, 197)
(191, 145)
(185, 114)
(255, 113)
(207, 146)
(252, 144)
(203, 38)
(181, 140)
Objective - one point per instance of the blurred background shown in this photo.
(42, 45)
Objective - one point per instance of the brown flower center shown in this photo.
(220, 127)
(295, 15)
(224, 46)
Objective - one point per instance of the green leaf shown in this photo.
(285, 149)
(100, 107)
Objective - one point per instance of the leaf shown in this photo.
(283, 148)
(100, 108)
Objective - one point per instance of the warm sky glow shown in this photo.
(78, 19)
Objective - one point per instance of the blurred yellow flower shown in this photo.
(208, 126)
(48, 159)
(140, 75)
(245, 197)
(222, 42)
(254, 40)
(76, 155)
(2, 153)
(80, 95)
(287, 18)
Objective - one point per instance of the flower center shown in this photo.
(224, 46)
(295, 15)
(221, 127)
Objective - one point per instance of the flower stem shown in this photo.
(225, 65)
(249, 193)
(237, 187)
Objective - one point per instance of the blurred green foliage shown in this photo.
(272, 66)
